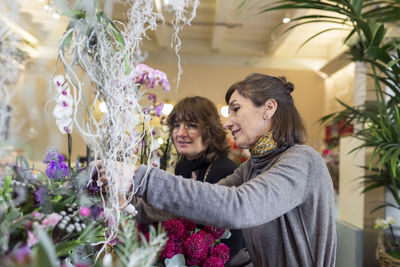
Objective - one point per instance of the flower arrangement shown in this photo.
(47, 208)
(393, 248)
(191, 244)
(57, 215)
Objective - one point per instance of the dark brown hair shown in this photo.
(202, 111)
(287, 126)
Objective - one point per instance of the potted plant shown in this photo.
(367, 22)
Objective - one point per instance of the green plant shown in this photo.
(367, 22)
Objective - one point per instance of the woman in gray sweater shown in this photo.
(282, 197)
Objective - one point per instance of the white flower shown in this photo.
(58, 80)
(61, 112)
(391, 220)
(64, 106)
(154, 146)
(381, 224)
(65, 125)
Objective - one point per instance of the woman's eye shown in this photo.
(235, 109)
(176, 126)
(192, 126)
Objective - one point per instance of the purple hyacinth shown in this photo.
(56, 168)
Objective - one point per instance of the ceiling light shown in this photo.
(103, 107)
(40, 1)
(167, 108)
(56, 16)
(47, 7)
(18, 30)
(286, 20)
(225, 111)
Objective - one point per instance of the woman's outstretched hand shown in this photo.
(123, 172)
(124, 182)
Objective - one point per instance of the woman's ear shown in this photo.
(270, 107)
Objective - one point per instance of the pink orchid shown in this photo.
(142, 73)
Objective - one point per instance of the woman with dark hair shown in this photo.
(282, 197)
(200, 140)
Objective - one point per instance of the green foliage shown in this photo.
(134, 251)
(5, 225)
(367, 23)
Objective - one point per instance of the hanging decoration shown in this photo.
(109, 53)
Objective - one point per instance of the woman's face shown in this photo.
(247, 122)
(187, 139)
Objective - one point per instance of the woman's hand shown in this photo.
(123, 172)
(124, 181)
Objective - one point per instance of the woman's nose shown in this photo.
(182, 130)
(228, 124)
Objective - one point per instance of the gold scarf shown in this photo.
(265, 144)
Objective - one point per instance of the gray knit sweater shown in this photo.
(285, 206)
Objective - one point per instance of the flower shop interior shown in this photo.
(221, 45)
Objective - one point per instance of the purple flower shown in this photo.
(52, 155)
(57, 170)
(157, 77)
(96, 211)
(159, 109)
(93, 188)
(142, 73)
(21, 254)
(165, 85)
(39, 196)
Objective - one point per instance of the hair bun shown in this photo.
(288, 85)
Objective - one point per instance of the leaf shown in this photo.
(366, 30)
(65, 248)
(357, 6)
(227, 234)
(47, 253)
(67, 40)
(80, 179)
(376, 53)
(393, 62)
(378, 36)
(24, 163)
(178, 260)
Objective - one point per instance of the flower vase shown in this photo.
(383, 249)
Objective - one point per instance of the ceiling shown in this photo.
(220, 34)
